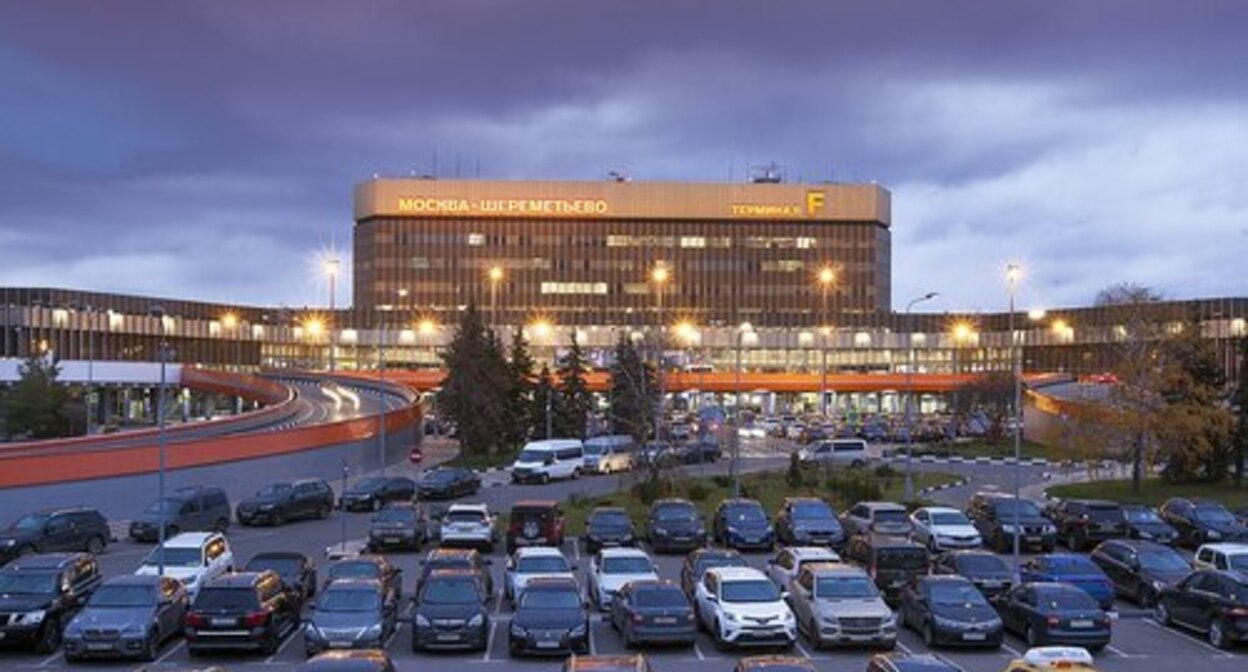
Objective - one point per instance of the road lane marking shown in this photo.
(904, 649)
(50, 659)
(181, 643)
(697, 650)
(1122, 654)
(1219, 653)
(589, 636)
(1013, 652)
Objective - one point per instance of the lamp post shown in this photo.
(332, 267)
(495, 275)
(381, 380)
(660, 275)
(742, 330)
(910, 394)
(827, 278)
(1013, 272)
(230, 322)
(159, 313)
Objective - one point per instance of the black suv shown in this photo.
(40, 594)
(370, 494)
(1214, 602)
(994, 515)
(449, 612)
(1140, 569)
(675, 525)
(1201, 521)
(891, 561)
(194, 508)
(277, 503)
(447, 483)
(52, 530)
(297, 571)
(1083, 523)
(248, 611)
(399, 525)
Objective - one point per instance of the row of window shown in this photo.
(620, 265)
(480, 239)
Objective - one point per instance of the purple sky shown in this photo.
(208, 149)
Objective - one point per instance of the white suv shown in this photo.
(534, 562)
(614, 567)
(741, 606)
(192, 558)
(788, 563)
(468, 525)
(1222, 556)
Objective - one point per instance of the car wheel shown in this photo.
(323, 512)
(721, 644)
(1145, 596)
(545, 479)
(376, 504)
(271, 644)
(26, 550)
(150, 648)
(929, 637)
(95, 545)
(50, 638)
(816, 637)
(931, 546)
(1162, 613)
(1217, 635)
(1033, 638)
(279, 519)
(629, 642)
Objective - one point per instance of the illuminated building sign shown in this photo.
(505, 206)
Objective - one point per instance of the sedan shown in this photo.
(943, 529)
(990, 573)
(950, 610)
(371, 494)
(1047, 614)
(297, 571)
(1140, 570)
(375, 567)
(1144, 523)
(613, 568)
(607, 526)
(653, 612)
(550, 619)
(127, 617)
(447, 483)
(400, 525)
(1076, 570)
(351, 614)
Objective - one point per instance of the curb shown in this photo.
(945, 486)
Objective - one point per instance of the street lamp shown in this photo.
(660, 275)
(539, 330)
(231, 324)
(827, 279)
(331, 267)
(495, 276)
(381, 380)
(742, 330)
(910, 394)
(1014, 273)
(159, 313)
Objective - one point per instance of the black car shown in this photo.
(350, 661)
(1140, 570)
(450, 613)
(809, 521)
(39, 594)
(447, 483)
(457, 558)
(743, 524)
(370, 494)
(550, 618)
(1084, 523)
(950, 610)
(653, 612)
(375, 567)
(699, 560)
(700, 451)
(351, 614)
(903, 662)
(194, 508)
(673, 525)
(247, 611)
(891, 561)
(1144, 523)
(277, 503)
(55, 530)
(128, 616)
(1201, 521)
(995, 516)
(297, 571)
(607, 526)
(1213, 602)
(400, 525)
(1046, 614)
(990, 573)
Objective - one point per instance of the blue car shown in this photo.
(1055, 614)
(1076, 570)
(743, 524)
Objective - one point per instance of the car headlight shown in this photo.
(788, 617)
(1009, 529)
(518, 631)
(660, 531)
(476, 621)
(422, 622)
(943, 622)
(1213, 534)
(31, 617)
(8, 542)
(372, 631)
(1048, 529)
(266, 507)
(730, 617)
(830, 619)
(578, 631)
(1159, 585)
(313, 632)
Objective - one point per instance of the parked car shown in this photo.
(774, 664)
(808, 521)
(1202, 521)
(375, 567)
(704, 450)
(612, 568)
(609, 454)
(617, 663)
(449, 612)
(550, 619)
(950, 610)
(244, 611)
(1143, 522)
(990, 573)
(739, 606)
(1140, 570)
(456, 558)
(194, 558)
(371, 494)
(838, 605)
(127, 617)
(1076, 570)
(941, 528)
(529, 564)
(401, 525)
(40, 593)
(850, 452)
(788, 562)
(351, 614)
(55, 530)
(653, 612)
(1046, 658)
(350, 661)
(1001, 518)
(674, 525)
(1084, 523)
(607, 526)
(877, 518)
(891, 561)
(742, 524)
(447, 483)
(701, 559)
(548, 460)
(535, 523)
(191, 509)
(278, 503)
(1045, 614)
(1212, 602)
(926, 662)
(1222, 556)
(469, 525)
(297, 571)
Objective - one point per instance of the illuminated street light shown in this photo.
(1037, 314)
(314, 326)
(909, 488)
(1014, 273)
(426, 327)
(687, 332)
(962, 332)
(495, 276)
(541, 328)
(660, 275)
(826, 278)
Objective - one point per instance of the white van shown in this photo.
(851, 452)
(609, 454)
(549, 460)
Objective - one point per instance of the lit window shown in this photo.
(621, 241)
(692, 241)
(598, 288)
(476, 239)
(806, 243)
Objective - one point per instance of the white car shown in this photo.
(614, 567)
(944, 529)
(1222, 556)
(784, 568)
(740, 605)
(468, 525)
(534, 562)
(192, 558)
(751, 432)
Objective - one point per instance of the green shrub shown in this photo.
(794, 475)
(649, 490)
(885, 471)
(697, 491)
(722, 481)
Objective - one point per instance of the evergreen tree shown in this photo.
(1194, 429)
(575, 402)
(542, 407)
(477, 386)
(519, 425)
(1240, 402)
(36, 405)
(634, 392)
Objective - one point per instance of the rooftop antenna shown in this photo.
(768, 174)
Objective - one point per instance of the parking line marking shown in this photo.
(904, 649)
(50, 659)
(589, 636)
(1123, 654)
(489, 643)
(801, 649)
(1219, 653)
(697, 650)
(181, 643)
(282, 647)
(576, 549)
(1013, 652)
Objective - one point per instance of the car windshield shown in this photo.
(660, 598)
(745, 513)
(440, 476)
(845, 588)
(396, 515)
(957, 594)
(981, 563)
(123, 596)
(1214, 514)
(226, 599)
(1239, 561)
(812, 511)
(274, 490)
(283, 566)
(34, 521)
(1105, 514)
(672, 513)
(354, 570)
(901, 558)
(162, 506)
(1005, 508)
(1069, 564)
(475, 517)
(626, 566)
(708, 562)
(27, 583)
(610, 519)
(1140, 515)
(369, 484)
(534, 455)
(1058, 600)
(755, 590)
(1166, 561)
(545, 564)
(950, 518)
(457, 591)
(176, 557)
(349, 600)
(593, 449)
(550, 599)
(891, 516)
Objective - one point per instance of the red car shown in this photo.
(416, 455)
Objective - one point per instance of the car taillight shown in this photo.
(193, 620)
(1054, 621)
(256, 619)
(1237, 612)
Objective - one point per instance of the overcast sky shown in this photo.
(208, 149)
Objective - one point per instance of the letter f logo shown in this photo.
(814, 202)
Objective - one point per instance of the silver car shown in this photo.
(127, 617)
(468, 525)
(838, 604)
